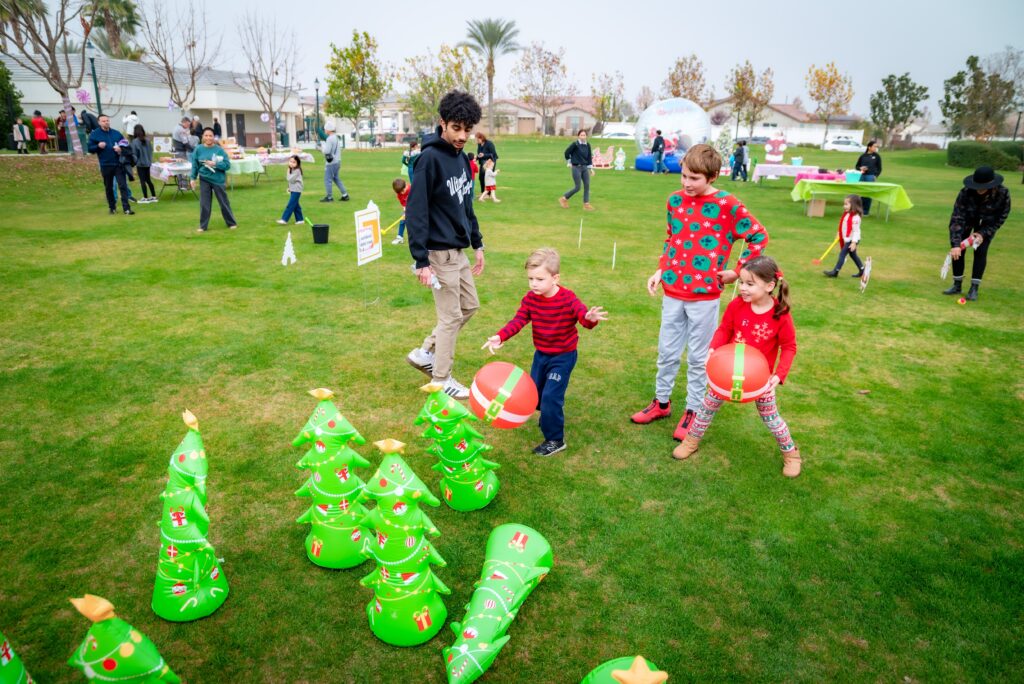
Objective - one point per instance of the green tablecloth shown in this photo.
(247, 165)
(891, 194)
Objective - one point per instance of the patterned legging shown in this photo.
(766, 407)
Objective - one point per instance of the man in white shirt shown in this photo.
(130, 121)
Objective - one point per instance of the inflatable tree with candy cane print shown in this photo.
(12, 671)
(516, 560)
(335, 538)
(468, 481)
(114, 651)
(406, 609)
(189, 581)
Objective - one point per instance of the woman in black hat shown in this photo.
(980, 209)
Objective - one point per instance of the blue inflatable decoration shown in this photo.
(645, 162)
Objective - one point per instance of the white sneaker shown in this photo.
(421, 360)
(153, 200)
(398, 240)
(454, 388)
(282, 222)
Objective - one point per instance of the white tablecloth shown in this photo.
(165, 171)
(275, 158)
(762, 170)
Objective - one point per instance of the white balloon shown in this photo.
(682, 123)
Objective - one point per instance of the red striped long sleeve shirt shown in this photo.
(554, 321)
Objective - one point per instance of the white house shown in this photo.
(795, 124)
(126, 86)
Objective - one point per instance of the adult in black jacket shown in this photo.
(980, 210)
(581, 160)
(440, 225)
(870, 166)
(484, 150)
(658, 151)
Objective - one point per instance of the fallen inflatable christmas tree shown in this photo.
(406, 609)
(517, 559)
(189, 581)
(468, 482)
(636, 670)
(335, 538)
(12, 671)
(114, 651)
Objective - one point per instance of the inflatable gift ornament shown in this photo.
(335, 538)
(503, 395)
(636, 670)
(189, 581)
(737, 372)
(12, 671)
(406, 609)
(114, 651)
(468, 482)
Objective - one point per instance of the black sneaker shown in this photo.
(858, 274)
(129, 212)
(132, 199)
(345, 198)
(327, 199)
(113, 211)
(549, 447)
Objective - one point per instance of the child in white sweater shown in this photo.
(849, 235)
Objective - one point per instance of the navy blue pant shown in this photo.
(866, 201)
(293, 208)
(550, 372)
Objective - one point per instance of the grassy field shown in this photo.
(895, 557)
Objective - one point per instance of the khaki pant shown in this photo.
(455, 302)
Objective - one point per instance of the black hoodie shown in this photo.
(439, 214)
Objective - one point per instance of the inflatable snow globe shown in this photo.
(682, 123)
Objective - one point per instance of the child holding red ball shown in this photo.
(762, 321)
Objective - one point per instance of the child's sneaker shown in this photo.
(683, 428)
(564, 202)
(421, 360)
(282, 222)
(791, 463)
(549, 447)
(454, 388)
(652, 413)
(398, 240)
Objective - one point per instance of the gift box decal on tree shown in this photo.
(468, 481)
(189, 581)
(12, 671)
(406, 609)
(516, 560)
(114, 651)
(335, 538)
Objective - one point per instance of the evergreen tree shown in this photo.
(10, 102)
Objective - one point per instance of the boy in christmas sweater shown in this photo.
(703, 224)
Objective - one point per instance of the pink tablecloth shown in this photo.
(820, 176)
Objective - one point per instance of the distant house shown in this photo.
(126, 85)
(519, 118)
(796, 125)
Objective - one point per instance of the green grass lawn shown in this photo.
(896, 556)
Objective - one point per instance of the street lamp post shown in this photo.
(1015, 128)
(316, 86)
(91, 52)
(302, 107)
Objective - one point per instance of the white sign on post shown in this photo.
(161, 144)
(368, 234)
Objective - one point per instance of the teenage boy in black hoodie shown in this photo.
(440, 224)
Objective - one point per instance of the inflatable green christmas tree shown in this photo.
(468, 482)
(406, 609)
(335, 538)
(114, 651)
(189, 581)
(516, 560)
(11, 669)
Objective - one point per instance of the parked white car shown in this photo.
(843, 145)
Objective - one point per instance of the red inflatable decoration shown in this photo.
(738, 372)
(503, 395)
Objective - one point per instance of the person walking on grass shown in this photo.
(739, 161)
(39, 131)
(104, 143)
(763, 321)
(332, 164)
(402, 190)
(849, 236)
(440, 226)
(980, 210)
(209, 166)
(484, 150)
(553, 312)
(703, 225)
(582, 161)
(142, 149)
(490, 175)
(658, 150)
(295, 191)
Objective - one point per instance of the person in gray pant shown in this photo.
(332, 165)
(581, 160)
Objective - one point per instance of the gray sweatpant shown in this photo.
(690, 326)
(331, 178)
(580, 173)
(206, 190)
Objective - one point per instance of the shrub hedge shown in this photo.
(1001, 154)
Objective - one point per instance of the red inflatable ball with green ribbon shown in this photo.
(737, 372)
(503, 395)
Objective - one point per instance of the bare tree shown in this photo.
(541, 80)
(273, 58)
(178, 49)
(37, 40)
(644, 99)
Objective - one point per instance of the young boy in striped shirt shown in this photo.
(553, 311)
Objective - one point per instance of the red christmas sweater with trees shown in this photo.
(775, 338)
(701, 232)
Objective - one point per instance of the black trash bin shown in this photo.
(320, 231)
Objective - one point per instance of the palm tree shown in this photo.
(117, 17)
(491, 38)
(11, 11)
(101, 40)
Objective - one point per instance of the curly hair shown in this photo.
(460, 107)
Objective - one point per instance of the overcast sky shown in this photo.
(643, 38)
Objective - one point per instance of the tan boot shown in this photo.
(791, 463)
(686, 448)
(564, 202)
(588, 206)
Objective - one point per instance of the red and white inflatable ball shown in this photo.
(737, 372)
(503, 395)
